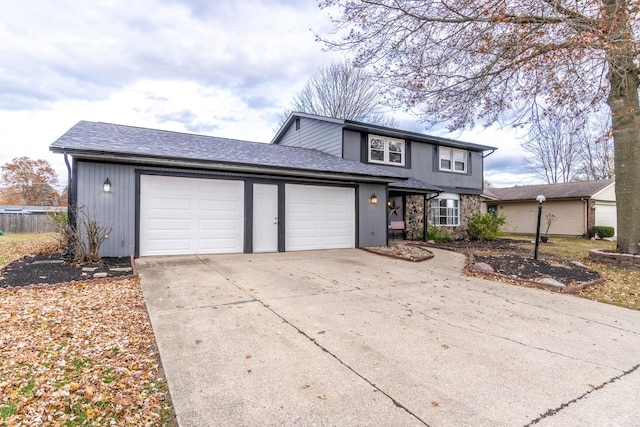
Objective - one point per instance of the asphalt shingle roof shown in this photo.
(96, 138)
(415, 184)
(550, 191)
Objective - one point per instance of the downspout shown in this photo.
(424, 220)
(71, 212)
(487, 155)
(586, 217)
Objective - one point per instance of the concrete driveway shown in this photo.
(349, 338)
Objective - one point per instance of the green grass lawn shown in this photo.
(621, 285)
(15, 245)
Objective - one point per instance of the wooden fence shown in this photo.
(20, 223)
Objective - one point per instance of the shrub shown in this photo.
(485, 227)
(602, 231)
(438, 234)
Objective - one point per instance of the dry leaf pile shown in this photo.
(13, 246)
(79, 354)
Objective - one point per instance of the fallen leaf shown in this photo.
(322, 332)
(446, 347)
(248, 356)
(198, 341)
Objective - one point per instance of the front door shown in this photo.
(265, 218)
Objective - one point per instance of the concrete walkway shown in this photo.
(346, 337)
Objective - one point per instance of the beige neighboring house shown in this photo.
(578, 206)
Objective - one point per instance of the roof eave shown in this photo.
(414, 136)
(223, 166)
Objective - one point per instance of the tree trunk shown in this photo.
(623, 101)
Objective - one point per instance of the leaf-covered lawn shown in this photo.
(79, 354)
(13, 246)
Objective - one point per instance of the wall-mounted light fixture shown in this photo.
(374, 199)
(106, 187)
(389, 204)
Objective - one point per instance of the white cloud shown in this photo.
(226, 68)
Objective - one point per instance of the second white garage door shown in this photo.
(180, 216)
(319, 217)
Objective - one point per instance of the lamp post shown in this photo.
(540, 199)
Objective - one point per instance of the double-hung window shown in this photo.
(453, 160)
(389, 151)
(445, 210)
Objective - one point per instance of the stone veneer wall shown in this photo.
(469, 205)
(414, 216)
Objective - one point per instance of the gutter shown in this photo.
(586, 216)
(484, 156)
(226, 167)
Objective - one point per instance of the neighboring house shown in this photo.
(443, 174)
(167, 193)
(578, 206)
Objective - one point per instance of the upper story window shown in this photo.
(386, 150)
(453, 160)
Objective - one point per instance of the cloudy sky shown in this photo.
(226, 68)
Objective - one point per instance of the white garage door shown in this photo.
(190, 216)
(606, 215)
(319, 217)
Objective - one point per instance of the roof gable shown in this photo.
(384, 130)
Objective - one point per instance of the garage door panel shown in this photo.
(181, 215)
(171, 244)
(319, 217)
(169, 224)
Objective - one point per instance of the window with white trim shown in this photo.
(389, 151)
(445, 210)
(452, 160)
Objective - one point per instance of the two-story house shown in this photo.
(442, 174)
(322, 184)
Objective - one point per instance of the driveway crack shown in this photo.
(554, 411)
(321, 347)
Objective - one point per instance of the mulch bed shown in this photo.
(530, 269)
(407, 252)
(54, 268)
(510, 261)
(506, 260)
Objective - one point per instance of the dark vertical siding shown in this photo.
(352, 145)
(115, 210)
(315, 134)
(372, 218)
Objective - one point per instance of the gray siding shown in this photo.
(424, 166)
(315, 134)
(372, 218)
(352, 145)
(115, 209)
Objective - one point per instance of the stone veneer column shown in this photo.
(414, 216)
(469, 205)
